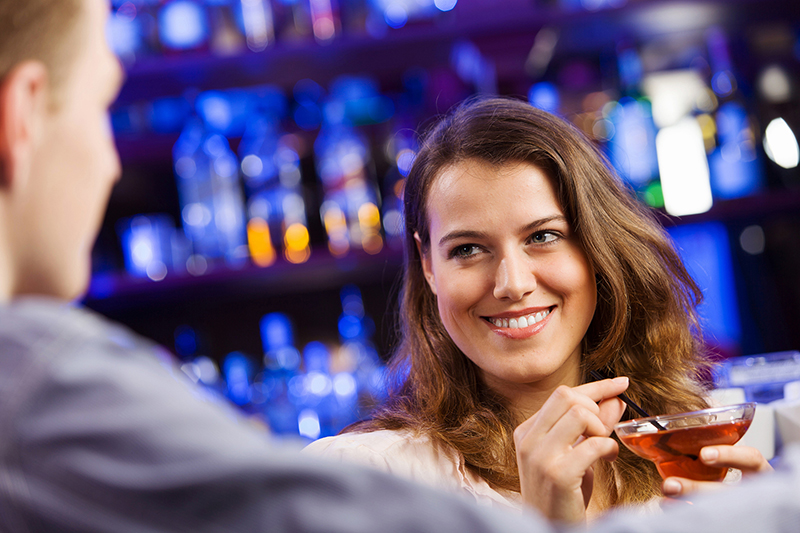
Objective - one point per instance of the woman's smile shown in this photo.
(519, 325)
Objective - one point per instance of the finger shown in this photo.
(603, 389)
(572, 467)
(595, 448)
(557, 405)
(577, 422)
(567, 471)
(744, 458)
(678, 487)
(576, 426)
(564, 397)
(610, 412)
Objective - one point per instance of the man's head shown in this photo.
(43, 30)
(57, 156)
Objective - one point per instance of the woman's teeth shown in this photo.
(521, 322)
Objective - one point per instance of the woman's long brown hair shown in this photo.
(645, 325)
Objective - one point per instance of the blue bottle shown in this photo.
(280, 381)
(276, 210)
(210, 194)
(349, 211)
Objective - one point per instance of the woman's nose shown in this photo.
(514, 278)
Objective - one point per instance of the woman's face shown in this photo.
(514, 288)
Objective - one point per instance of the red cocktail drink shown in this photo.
(673, 442)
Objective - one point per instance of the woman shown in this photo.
(528, 266)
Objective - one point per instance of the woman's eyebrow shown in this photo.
(542, 221)
(474, 234)
(461, 234)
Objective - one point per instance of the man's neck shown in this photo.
(5, 278)
(6, 254)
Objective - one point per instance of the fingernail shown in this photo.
(622, 380)
(671, 487)
(709, 454)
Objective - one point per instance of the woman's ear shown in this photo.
(425, 259)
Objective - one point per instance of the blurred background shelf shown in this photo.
(504, 31)
(225, 303)
(364, 78)
(119, 290)
(762, 205)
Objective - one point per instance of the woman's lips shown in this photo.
(520, 327)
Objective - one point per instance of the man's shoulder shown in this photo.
(50, 344)
(31, 320)
(31, 328)
(70, 371)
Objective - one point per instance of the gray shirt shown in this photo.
(99, 431)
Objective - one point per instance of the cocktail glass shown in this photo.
(673, 442)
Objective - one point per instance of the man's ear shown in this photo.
(24, 101)
(425, 258)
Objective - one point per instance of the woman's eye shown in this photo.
(465, 250)
(543, 237)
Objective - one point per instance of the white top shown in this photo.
(414, 457)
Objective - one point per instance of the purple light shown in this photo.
(722, 83)
(544, 95)
(395, 15)
(445, 5)
(183, 24)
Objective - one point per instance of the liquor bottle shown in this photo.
(147, 245)
(238, 371)
(126, 28)
(349, 210)
(226, 36)
(276, 209)
(278, 383)
(632, 147)
(318, 406)
(325, 22)
(363, 363)
(257, 21)
(209, 190)
(734, 165)
(292, 20)
(401, 149)
(183, 25)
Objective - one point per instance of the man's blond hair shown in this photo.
(43, 30)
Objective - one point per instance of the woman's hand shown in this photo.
(557, 447)
(745, 458)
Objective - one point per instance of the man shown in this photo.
(98, 430)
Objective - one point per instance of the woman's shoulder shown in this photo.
(390, 445)
(413, 456)
(402, 452)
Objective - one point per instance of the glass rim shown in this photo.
(677, 416)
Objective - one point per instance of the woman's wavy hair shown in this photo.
(645, 325)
